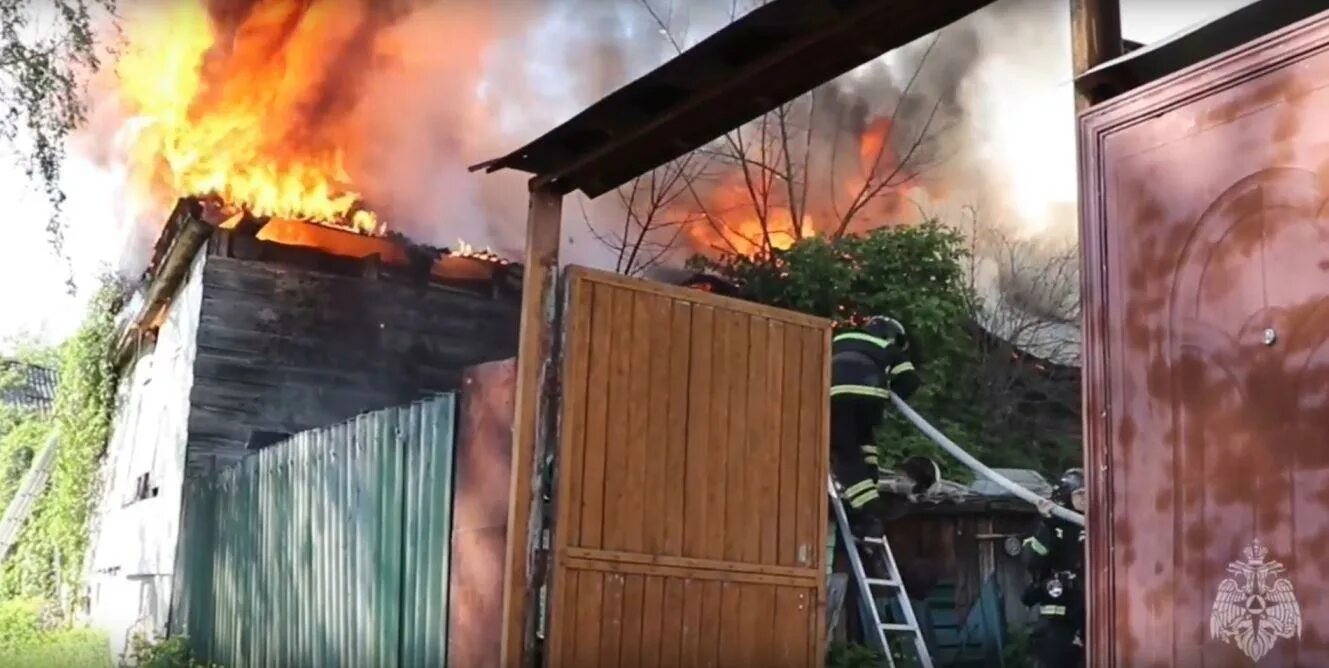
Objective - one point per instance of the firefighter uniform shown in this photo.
(867, 364)
(1055, 558)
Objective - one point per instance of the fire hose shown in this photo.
(979, 467)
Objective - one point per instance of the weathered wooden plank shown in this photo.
(590, 494)
(690, 643)
(617, 493)
(811, 521)
(588, 611)
(672, 615)
(675, 470)
(580, 324)
(737, 468)
(285, 349)
(790, 446)
(611, 621)
(652, 622)
(634, 593)
(757, 493)
(632, 512)
(655, 437)
(712, 620)
(536, 344)
(699, 498)
(768, 455)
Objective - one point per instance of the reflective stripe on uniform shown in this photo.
(860, 390)
(860, 493)
(859, 336)
(869, 454)
(1035, 545)
(902, 367)
(1059, 610)
(864, 498)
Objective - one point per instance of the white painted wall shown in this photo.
(132, 552)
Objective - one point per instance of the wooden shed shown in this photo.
(248, 330)
(965, 585)
(1205, 187)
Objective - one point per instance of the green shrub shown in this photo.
(31, 636)
(170, 652)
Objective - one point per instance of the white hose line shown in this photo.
(979, 467)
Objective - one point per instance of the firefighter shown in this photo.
(868, 363)
(1055, 558)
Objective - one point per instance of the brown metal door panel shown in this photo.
(1206, 246)
(688, 506)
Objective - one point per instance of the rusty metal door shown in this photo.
(690, 505)
(1207, 254)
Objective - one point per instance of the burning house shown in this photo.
(246, 329)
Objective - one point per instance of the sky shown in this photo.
(35, 300)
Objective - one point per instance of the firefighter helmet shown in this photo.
(1071, 481)
(890, 329)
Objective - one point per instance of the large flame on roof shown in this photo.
(232, 99)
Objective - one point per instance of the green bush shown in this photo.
(171, 652)
(31, 636)
(852, 655)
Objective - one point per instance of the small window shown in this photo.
(144, 488)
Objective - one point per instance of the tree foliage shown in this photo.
(918, 275)
(47, 51)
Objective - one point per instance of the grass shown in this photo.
(70, 648)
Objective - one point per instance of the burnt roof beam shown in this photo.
(764, 59)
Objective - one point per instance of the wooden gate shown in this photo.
(1206, 243)
(690, 496)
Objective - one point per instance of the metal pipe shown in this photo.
(979, 467)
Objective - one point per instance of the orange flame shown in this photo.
(730, 222)
(235, 111)
(742, 215)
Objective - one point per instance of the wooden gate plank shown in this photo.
(616, 431)
(653, 616)
(737, 426)
(676, 455)
(697, 527)
(758, 498)
(655, 440)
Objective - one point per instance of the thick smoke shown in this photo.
(415, 91)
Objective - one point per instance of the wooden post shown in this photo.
(1095, 39)
(538, 308)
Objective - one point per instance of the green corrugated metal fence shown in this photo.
(329, 549)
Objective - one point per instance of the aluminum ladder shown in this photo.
(30, 489)
(892, 586)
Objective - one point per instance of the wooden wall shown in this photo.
(286, 349)
(133, 541)
(963, 545)
(480, 514)
(691, 480)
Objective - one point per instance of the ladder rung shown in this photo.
(873, 540)
(898, 628)
(879, 582)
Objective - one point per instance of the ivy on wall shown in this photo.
(47, 561)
